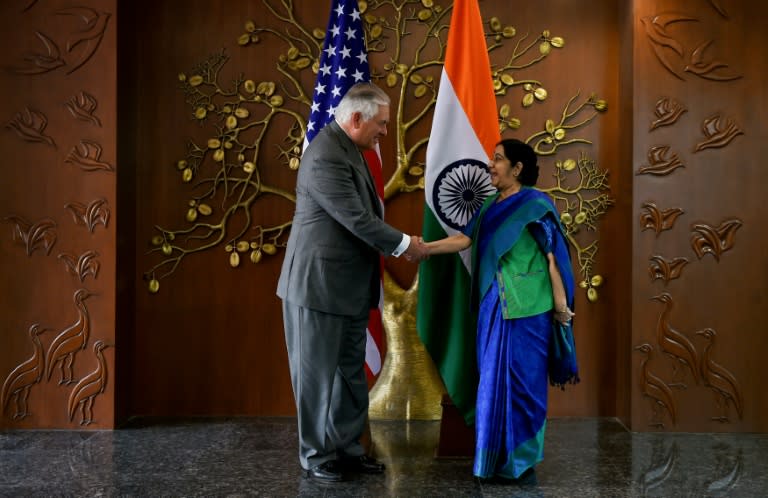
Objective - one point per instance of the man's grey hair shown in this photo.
(364, 98)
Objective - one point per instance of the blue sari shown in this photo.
(514, 356)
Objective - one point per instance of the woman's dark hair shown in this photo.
(515, 150)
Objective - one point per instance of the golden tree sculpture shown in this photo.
(406, 42)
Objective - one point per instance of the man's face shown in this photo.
(368, 133)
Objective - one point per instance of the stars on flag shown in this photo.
(343, 62)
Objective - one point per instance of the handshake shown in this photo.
(417, 250)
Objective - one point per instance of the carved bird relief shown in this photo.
(97, 212)
(41, 235)
(87, 155)
(706, 239)
(82, 106)
(84, 393)
(21, 379)
(90, 34)
(667, 112)
(665, 269)
(720, 380)
(664, 45)
(39, 63)
(657, 219)
(656, 390)
(70, 340)
(718, 134)
(708, 69)
(30, 127)
(659, 163)
(675, 344)
(82, 266)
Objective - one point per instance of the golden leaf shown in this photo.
(362, 5)
(214, 143)
(191, 215)
(416, 79)
(182, 77)
(497, 85)
(244, 39)
(167, 249)
(234, 259)
(581, 217)
(250, 86)
(242, 246)
(154, 286)
(557, 42)
(391, 80)
(401, 69)
(495, 24)
(276, 100)
(255, 256)
(504, 111)
(424, 14)
(596, 281)
(181, 164)
(569, 164)
(540, 93)
(559, 134)
(592, 294)
(370, 18)
(376, 31)
(420, 91)
(509, 32)
(218, 155)
(293, 163)
(200, 113)
(231, 122)
(601, 105)
(250, 26)
(266, 88)
(427, 3)
(318, 33)
(507, 79)
(527, 100)
(416, 171)
(157, 240)
(303, 62)
(186, 175)
(566, 218)
(293, 52)
(242, 112)
(255, 38)
(545, 47)
(269, 248)
(204, 209)
(549, 125)
(195, 80)
(249, 167)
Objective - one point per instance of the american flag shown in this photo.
(344, 62)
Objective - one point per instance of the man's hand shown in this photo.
(417, 250)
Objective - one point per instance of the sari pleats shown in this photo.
(512, 393)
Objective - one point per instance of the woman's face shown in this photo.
(503, 173)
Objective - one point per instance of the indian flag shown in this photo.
(464, 133)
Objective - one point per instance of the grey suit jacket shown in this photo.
(332, 261)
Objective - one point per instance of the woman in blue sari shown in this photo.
(522, 291)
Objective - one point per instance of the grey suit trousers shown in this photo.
(326, 355)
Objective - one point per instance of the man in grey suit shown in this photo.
(329, 281)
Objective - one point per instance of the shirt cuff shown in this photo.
(400, 249)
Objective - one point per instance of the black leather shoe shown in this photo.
(362, 464)
(329, 471)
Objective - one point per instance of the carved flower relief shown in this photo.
(658, 220)
(89, 216)
(659, 163)
(41, 235)
(718, 133)
(82, 266)
(661, 268)
(667, 112)
(706, 239)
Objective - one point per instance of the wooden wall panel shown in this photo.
(699, 260)
(57, 214)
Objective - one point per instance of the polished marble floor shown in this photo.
(239, 457)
